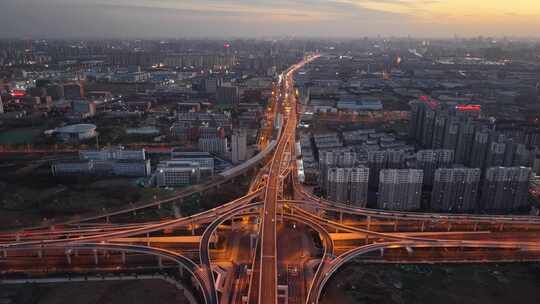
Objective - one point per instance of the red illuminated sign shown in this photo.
(468, 107)
(18, 93)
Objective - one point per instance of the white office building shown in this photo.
(239, 146)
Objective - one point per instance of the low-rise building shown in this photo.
(176, 173)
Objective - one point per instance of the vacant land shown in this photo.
(125, 292)
(441, 284)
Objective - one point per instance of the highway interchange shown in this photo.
(243, 251)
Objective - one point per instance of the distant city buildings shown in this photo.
(228, 95)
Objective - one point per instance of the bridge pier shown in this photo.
(341, 217)
(449, 226)
(5, 253)
(395, 224)
(68, 257)
(501, 227)
(181, 270)
(123, 257)
(160, 263)
(368, 222)
(253, 242)
(381, 251)
(423, 226)
(475, 227)
(148, 239)
(96, 258)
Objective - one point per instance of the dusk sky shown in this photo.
(238, 18)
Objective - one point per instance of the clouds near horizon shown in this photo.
(255, 18)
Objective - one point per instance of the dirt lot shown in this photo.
(127, 292)
(441, 284)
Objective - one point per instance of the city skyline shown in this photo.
(263, 18)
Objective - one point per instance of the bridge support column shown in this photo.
(181, 270)
(475, 226)
(96, 258)
(4, 252)
(123, 257)
(367, 238)
(252, 242)
(423, 226)
(449, 226)
(160, 263)
(341, 217)
(395, 224)
(368, 222)
(148, 239)
(68, 257)
(107, 219)
(501, 227)
(40, 253)
(192, 228)
(381, 251)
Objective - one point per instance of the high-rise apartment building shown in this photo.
(348, 185)
(439, 130)
(330, 159)
(400, 189)
(451, 133)
(505, 188)
(455, 189)
(427, 128)
(465, 143)
(479, 149)
(431, 160)
(495, 154)
(383, 159)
